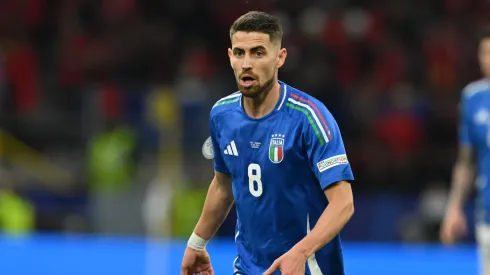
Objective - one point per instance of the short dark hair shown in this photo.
(257, 21)
(483, 34)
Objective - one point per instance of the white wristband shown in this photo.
(197, 243)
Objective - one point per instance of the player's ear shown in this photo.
(230, 54)
(281, 58)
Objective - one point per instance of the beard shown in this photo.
(256, 90)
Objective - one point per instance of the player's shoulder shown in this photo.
(309, 107)
(475, 88)
(226, 104)
(311, 112)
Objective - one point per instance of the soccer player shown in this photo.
(279, 155)
(473, 160)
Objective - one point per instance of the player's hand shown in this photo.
(196, 261)
(453, 226)
(291, 263)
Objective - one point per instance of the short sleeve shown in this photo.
(326, 152)
(463, 130)
(219, 163)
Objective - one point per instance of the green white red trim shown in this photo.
(324, 123)
(317, 126)
(228, 99)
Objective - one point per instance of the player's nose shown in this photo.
(246, 64)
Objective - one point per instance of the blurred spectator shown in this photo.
(157, 208)
(111, 168)
(17, 215)
(21, 68)
(399, 127)
(3, 88)
(423, 224)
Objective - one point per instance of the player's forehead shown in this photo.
(250, 40)
(485, 42)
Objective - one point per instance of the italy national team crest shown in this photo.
(276, 148)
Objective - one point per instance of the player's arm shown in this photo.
(218, 203)
(338, 212)
(216, 207)
(462, 177)
(328, 160)
(219, 198)
(454, 222)
(464, 168)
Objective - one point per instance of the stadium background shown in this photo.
(104, 106)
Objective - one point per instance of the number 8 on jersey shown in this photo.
(254, 179)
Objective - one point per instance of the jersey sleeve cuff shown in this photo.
(343, 177)
(222, 170)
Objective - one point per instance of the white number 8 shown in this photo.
(254, 175)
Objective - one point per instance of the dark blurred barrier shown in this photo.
(384, 218)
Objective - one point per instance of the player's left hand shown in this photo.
(291, 263)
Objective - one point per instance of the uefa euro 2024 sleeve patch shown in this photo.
(332, 162)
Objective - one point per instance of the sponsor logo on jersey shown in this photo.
(276, 148)
(332, 162)
(231, 149)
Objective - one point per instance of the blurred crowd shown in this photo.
(104, 105)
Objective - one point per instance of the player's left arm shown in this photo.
(328, 160)
(333, 219)
(338, 212)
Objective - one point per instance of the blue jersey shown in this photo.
(280, 165)
(474, 131)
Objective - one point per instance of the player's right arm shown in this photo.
(220, 195)
(462, 177)
(454, 223)
(217, 205)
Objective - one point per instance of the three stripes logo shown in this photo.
(231, 149)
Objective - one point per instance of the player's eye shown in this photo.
(238, 53)
(259, 53)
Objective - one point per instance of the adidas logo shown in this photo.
(231, 149)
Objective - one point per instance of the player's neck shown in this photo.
(264, 104)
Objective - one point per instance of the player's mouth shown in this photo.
(247, 80)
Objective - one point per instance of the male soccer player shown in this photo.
(473, 160)
(280, 156)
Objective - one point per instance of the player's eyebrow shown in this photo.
(257, 48)
(254, 49)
